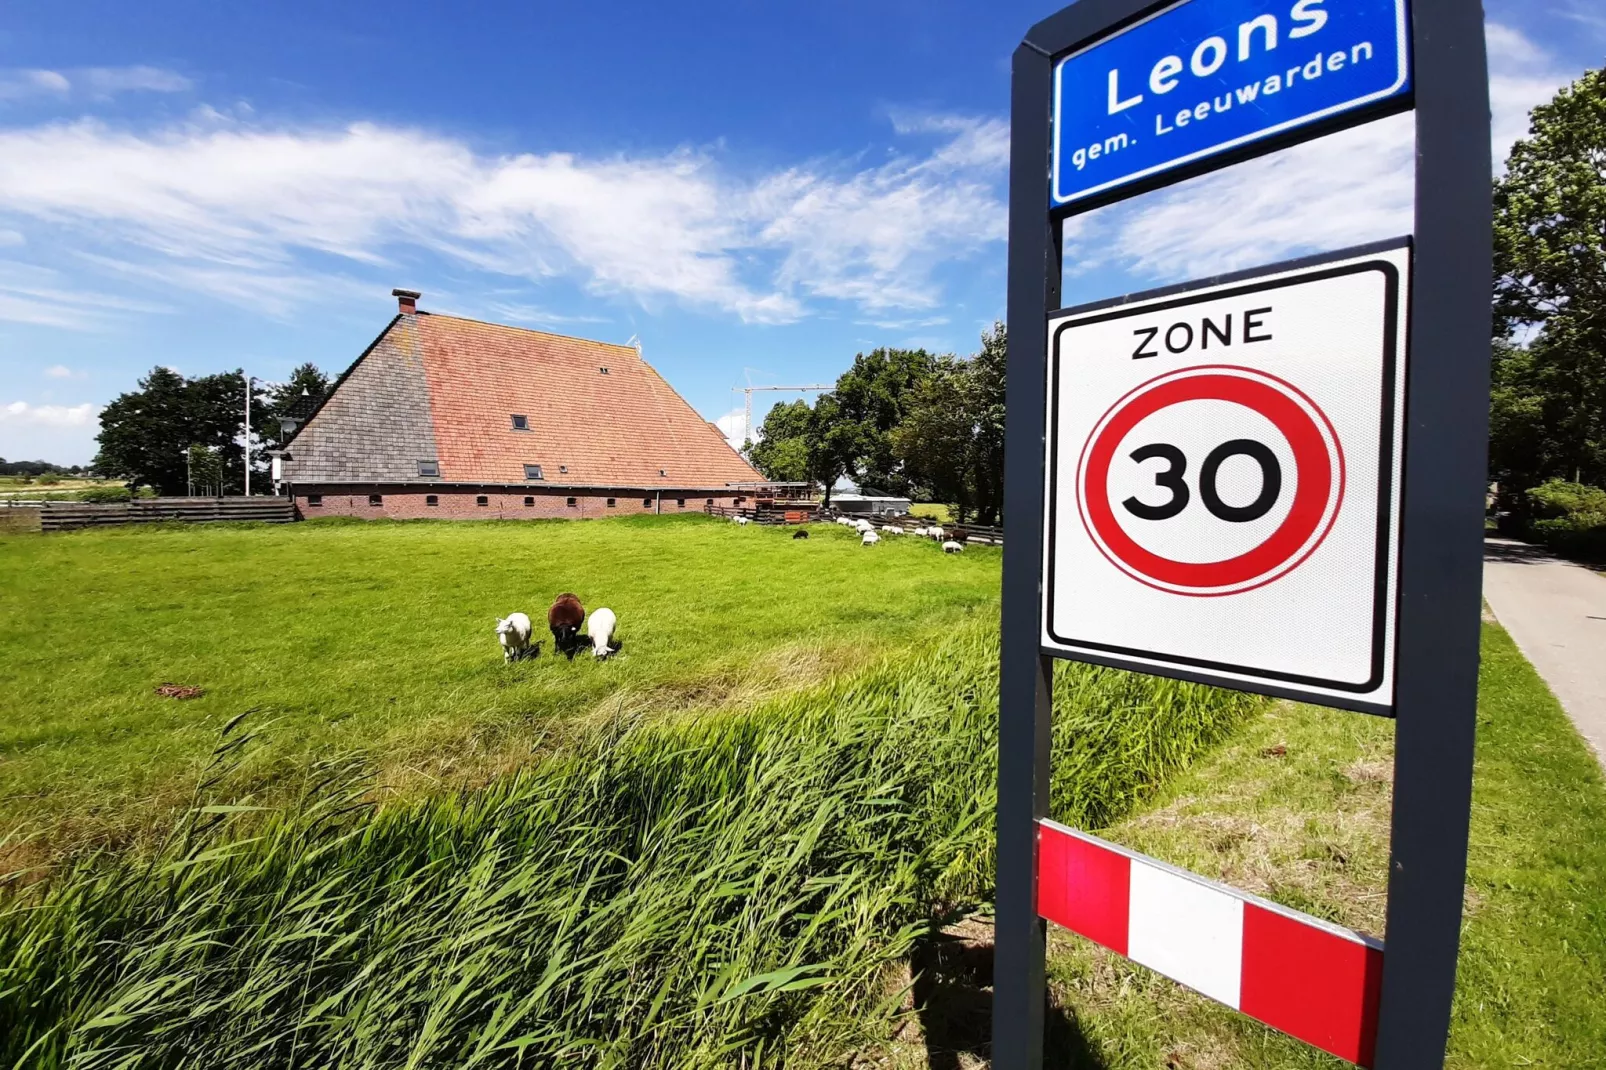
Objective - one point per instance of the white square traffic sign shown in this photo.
(1224, 478)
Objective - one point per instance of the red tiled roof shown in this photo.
(616, 429)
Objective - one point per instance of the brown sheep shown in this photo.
(565, 618)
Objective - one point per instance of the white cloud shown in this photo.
(1353, 186)
(730, 425)
(59, 371)
(872, 238)
(96, 82)
(30, 293)
(20, 412)
(229, 208)
(11, 237)
(109, 81)
(15, 84)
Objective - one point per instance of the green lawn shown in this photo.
(379, 636)
(1296, 808)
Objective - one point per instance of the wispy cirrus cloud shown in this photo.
(93, 82)
(221, 205)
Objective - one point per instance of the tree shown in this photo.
(934, 443)
(951, 440)
(296, 396)
(1548, 402)
(145, 434)
(871, 399)
(987, 380)
(832, 442)
(781, 452)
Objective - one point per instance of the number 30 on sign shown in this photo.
(1223, 479)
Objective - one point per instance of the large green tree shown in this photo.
(950, 442)
(871, 399)
(145, 434)
(1548, 403)
(782, 450)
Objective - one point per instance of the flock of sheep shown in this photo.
(563, 619)
(868, 536)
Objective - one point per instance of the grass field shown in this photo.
(380, 636)
(730, 888)
(1296, 808)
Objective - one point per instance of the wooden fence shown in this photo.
(65, 516)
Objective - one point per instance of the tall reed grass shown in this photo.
(721, 890)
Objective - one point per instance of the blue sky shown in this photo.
(742, 185)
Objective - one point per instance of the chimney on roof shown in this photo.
(406, 300)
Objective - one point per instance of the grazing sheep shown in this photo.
(603, 623)
(870, 539)
(952, 547)
(937, 533)
(800, 534)
(743, 520)
(891, 529)
(564, 618)
(864, 525)
(514, 634)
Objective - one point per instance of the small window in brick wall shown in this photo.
(571, 503)
(646, 503)
(532, 471)
(432, 499)
(482, 500)
(529, 499)
(429, 468)
(612, 502)
(521, 423)
(709, 502)
(315, 499)
(680, 503)
(376, 499)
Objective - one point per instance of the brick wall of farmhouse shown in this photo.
(409, 504)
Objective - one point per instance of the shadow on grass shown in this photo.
(953, 999)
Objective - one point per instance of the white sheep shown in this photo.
(743, 520)
(951, 547)
(891, 529)
(514, 633)
(600, 628)
(863, 525)
(870, 539)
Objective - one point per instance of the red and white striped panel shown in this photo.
(1311, 979)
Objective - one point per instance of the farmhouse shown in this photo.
(451, 417)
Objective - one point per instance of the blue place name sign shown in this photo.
(1206, 76)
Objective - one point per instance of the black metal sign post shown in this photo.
(1441, 510)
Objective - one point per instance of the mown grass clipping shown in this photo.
(727, 888)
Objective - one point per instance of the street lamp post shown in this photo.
(245, 459)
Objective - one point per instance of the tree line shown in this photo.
(1547, 406)
(903, 421)
(173, 432)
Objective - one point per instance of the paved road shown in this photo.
(1556, 612)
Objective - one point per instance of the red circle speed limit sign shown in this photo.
(1223, 478)
(1210, 480)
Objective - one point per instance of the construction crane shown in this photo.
(747, 419)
